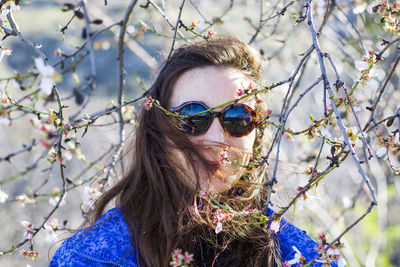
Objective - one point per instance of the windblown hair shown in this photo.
(162, 213)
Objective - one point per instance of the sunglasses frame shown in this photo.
(219, 114)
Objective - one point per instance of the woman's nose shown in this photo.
(215, 133)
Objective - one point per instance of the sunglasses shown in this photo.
(237, 120)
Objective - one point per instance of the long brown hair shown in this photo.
(157, 205)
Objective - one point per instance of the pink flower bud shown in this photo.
(149, 103)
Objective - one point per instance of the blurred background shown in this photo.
(30, 178)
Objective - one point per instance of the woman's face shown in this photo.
(214, 86)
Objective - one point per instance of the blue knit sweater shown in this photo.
(108, 243)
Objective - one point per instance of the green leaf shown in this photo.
(75, 76)
(142, 23)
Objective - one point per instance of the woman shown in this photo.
(192, 185)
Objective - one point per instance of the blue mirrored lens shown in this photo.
(238, 121)
(194, 125)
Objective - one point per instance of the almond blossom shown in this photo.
(223, 158)
(49, 76)
(91, 193)
(51, 235)
(180, 259)
(304, 200)
(28, 234)
(24, 199)
(4, 52)
(149, 103)
(30, 254)
(56, 198)
(381, 152)
(331, 255)
(334, 253)
(195, 23)
(275, 225)
(221, 216)
(298, 258)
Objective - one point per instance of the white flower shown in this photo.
(27, 224)
(4, 52)
(54, 200)
(331, 251)
(49, 75)
(3, 196)
(24, 199)
(51, 235)
(91, 193)
(28, 234)
(298, 257)
(218, 228)
(377, 73)
(275, 224)
(341, 262)
(324, 132)
(358, 143)
(381, 152)
(361, 65)
(304, 201)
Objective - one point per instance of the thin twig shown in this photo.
(178, 21)
(23, 39)
(381, 91)
(25, 148)
(279, 138)
(166, 18)
(124, 24)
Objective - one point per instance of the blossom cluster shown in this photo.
(330, 254)
(30, 228)
(248, 90)
(389, 15)
(180, 258)
(51, 230)
(311, 170)
(219, 217)
(304, 200)
(387, 143)
(30, 254)
(223, 157)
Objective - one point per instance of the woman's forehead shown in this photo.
(211, 85)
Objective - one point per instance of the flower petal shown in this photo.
(361, 65)
(39, 62)
(46, 85)
(218, 228)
